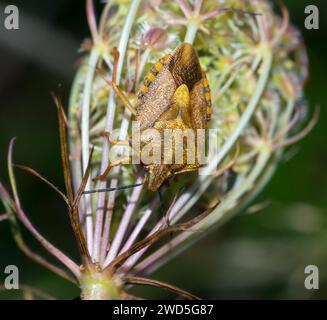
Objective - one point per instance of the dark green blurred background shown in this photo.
(262, 255)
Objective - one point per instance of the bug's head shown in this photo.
(155, 175)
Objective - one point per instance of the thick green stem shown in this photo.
(97, 286)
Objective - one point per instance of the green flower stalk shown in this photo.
(256, 65)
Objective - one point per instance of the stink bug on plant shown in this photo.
(174, 95)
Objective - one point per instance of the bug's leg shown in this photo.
(188, 168)
(111, 165)
(116, 88)
(124, 99)
(106, 135)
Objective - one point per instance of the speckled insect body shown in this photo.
(174, 95)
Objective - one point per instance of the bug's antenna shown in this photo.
(113, 189)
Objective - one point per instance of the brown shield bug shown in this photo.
(175, 95)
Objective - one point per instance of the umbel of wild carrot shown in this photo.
(256, 67)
